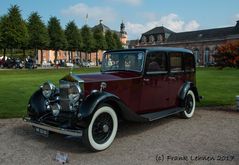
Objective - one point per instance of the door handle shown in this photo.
(146, 79)
(172, 78)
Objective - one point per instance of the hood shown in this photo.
(104, 77)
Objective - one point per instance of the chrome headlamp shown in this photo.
(55, 109)
(47, 89)
(74, 93)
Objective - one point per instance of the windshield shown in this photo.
(123, 61)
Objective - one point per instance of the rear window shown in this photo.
(175, 61)
(189, 62)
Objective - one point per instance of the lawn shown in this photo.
(219, 87)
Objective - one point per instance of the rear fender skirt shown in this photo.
(184, 89)
(89, 106)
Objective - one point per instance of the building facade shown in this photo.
(203, 43)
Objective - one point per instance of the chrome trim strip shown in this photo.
(63, 131)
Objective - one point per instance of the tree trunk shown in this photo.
(24, 52)
(35, 52)
(55, 56)
(69, 56)
(11, 52)
(4, 53)
(41, 56)
(80, 57)
(96, 60)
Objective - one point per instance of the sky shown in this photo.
(139, 16)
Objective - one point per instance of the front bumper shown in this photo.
(44, 126)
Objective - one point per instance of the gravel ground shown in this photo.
(211, 135)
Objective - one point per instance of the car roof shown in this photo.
(153, 49)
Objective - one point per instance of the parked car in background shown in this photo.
(69, 64)
(2, 61)
(139, 85)
(46, 64)
(30, 63)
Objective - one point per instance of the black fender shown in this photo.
(184, 89)
(36, 105)
(90, 104)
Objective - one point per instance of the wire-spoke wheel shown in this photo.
(189, 105)
(102, 129)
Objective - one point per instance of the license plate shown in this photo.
(42, 132)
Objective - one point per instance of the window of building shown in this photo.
(151, 38)
(156, 63)
(196, 54)
(144, 39)
(175, 62)
(189, 62)
(160, 38)
(206, 56)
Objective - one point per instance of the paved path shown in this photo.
(210, 135)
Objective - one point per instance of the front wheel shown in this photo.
(102, 129)
(189, 105)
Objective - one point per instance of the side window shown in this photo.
(175, 61)
(189, 62)
(156, 63)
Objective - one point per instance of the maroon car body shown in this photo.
(134, 84)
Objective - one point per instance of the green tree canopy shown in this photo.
(57, 37)
(73, 36)
(13, 29)
(38, 34)
(100, 39)
(110, 40)
(56, 34)
(118, 44)
(88, 39)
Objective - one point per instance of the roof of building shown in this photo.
(158, 30)
(202, 34)
(102, 27)
(151, 49)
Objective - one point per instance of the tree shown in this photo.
(100, 43)
(88, 40)
(110, 40)
(118, 43)
(38, 35)
(73, 37)
(14, 30)
(228, 55)
(56, 34)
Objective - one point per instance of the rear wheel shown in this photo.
(189, 105)
(102, 129)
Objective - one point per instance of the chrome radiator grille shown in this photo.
(64, 100)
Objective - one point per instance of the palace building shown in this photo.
(202, 42)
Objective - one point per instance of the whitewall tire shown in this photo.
(102, 129)
(189, 105)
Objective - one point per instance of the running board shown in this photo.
(158, 115)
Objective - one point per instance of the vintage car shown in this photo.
(137, 85)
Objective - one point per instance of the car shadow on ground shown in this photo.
(71, 144)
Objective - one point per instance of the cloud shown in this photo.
(171, 21)
(192, 25)
(129, 2)
(237, 16)
(93, 12)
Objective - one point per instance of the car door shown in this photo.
(154, 94)
(175, 78)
